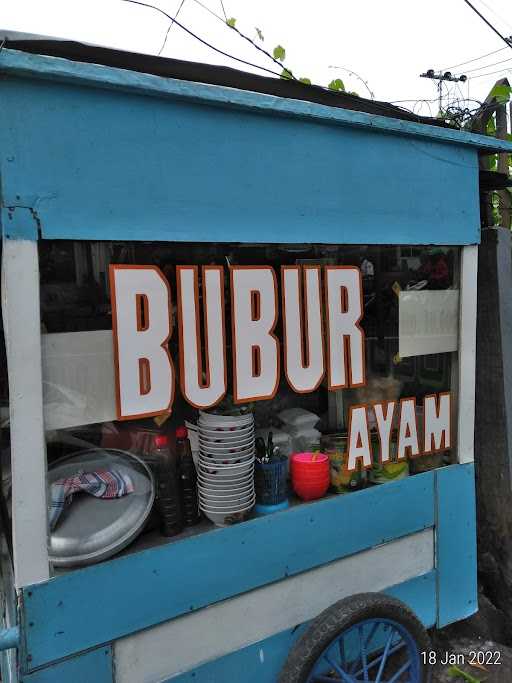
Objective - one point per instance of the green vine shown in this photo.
(278, 55)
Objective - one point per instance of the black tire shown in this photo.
(341, 616)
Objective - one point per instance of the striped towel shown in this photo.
(100, 483)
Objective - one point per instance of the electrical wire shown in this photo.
(498, 16)
(351, 72)
(214, 14)
(384, 108)
(493, 28)
(289, 75)
(487, 66)
(418, 99)
(475, 59)
(223, 10)
(170, 26)
(201, 40)
(491, 73)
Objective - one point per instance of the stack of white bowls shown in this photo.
(225, 477)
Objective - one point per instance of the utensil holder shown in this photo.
(270, 481)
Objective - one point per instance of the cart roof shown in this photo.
(39, 56)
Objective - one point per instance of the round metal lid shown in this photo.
(91, 529)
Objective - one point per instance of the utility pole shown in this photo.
(439, 76)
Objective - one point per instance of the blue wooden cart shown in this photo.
(91, 152)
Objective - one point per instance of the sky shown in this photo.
(386, 43)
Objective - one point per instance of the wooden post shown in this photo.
(504, 195)
(493, 424)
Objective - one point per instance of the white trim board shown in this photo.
(22, 323)
(166, 650)
(467, 355)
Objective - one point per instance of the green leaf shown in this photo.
(336, 84)
(287, 75)
(501, 93)
(279, 53)
(231, 22)
(260, 34)
(305, 80)
(455, 672)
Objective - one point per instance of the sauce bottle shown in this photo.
(168, 494)
(187, 477)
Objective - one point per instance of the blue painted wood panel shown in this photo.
(17, 63)
(18, 223)
(94, 163)
(91, 667)
(91, 606)
(262, 662)
(456, 559)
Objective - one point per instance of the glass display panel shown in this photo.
(344, 354)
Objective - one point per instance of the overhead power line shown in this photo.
(487, 66)
(498, 16)
(490, 73)
(170, 27)
(377, 105)
(201, 40)
(475, 59)
(493, 28)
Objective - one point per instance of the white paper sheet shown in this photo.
(78, 378)
(428, 322)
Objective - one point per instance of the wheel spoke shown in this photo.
(373, 632)
(341, 645)
(344, 675)
(375, 661)
(384, 657)
(363, 653)
(400, 672)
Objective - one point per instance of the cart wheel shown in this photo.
(366, 637)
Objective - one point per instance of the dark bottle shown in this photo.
(168, 494)
(188, 478)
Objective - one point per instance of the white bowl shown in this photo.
(229, 470)
(236, 460)
(226, 519)
(223, 435)
(234, 507)
(223, 419)
(226, 492)
(234, 503)
(213, 483)
(213, 460)
(227, 453)
(214, 470)
(230, 478)
(227, 426)
(212, 444)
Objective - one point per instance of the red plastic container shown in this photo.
(310, 480)
(307, 460)
(310, 475)
(311, 492)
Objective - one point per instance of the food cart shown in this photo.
(114, 165)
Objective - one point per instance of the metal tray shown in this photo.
(93, 529)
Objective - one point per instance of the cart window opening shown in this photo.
(340, 351)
